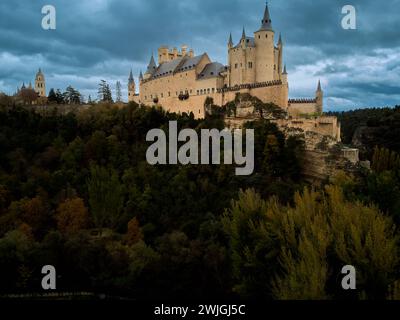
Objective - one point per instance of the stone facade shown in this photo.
(182, 81)
(40, 84)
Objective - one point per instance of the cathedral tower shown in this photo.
(40, 84)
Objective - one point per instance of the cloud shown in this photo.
(104, 39)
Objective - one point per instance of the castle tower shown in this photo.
(163, 54)
(265, 49)
(131, 87)
(40, 84)
(230, 46)
(319, 96)
(278, 73)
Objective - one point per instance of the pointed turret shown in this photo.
(152, 66)
(284, 76)
(23, 85)
(130, 80)
(230, 42)
(266, 22)
(280, 39)
(319, 89)
(131, 88)
(319, 97)
(243, 34)
(141, 75)
(30, 85)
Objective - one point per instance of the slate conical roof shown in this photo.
(266, 23)
(230, 42)
(152, 66)
(130, 77)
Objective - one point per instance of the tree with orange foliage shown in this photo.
(36, 214)
(72, 216)
(134, 232)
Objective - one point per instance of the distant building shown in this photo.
(40, 84)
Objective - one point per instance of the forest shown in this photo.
(77, 193)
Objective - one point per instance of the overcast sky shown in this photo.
(104, 39)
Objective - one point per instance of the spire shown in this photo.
(230, 42)
(130, 77)
(319, 86)
(141, 75)
(39, 73)
(266, 23)
(23, 85)
(284, 70)
(152, 65)
(244, 33)
(280, 39)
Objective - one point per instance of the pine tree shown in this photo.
(59, 97)
(104, 92)
(52, 98)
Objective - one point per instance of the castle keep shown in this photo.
(181, 81)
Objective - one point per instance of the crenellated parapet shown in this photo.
(250, 86)
(302, 100)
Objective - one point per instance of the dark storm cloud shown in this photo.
(103, 39)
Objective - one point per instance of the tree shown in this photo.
(134, 233)
(5, 100)
(383, 160)
(104, 92)
(106, 196)
(33, 212)
(59, 97)
(250, 248)
(312, 240)
(72, 96)
(72, 216)
(52, 98)
(118, 92)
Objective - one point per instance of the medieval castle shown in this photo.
(181, 81)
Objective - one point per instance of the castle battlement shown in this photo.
(251, 86)
(304, 100)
